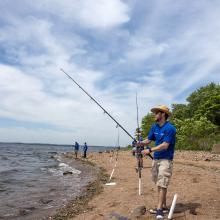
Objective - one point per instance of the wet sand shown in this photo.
(196, 180)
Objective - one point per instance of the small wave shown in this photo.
(52, 152)
(63, 167)
(3, 189)
(4, 158)
(57, 157)
(8, 215)
(8, 171)
(25, 211)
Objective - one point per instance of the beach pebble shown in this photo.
(207, 159)
(67, 172)
(139, 211)
(25, 211)
(45, 200)
(192, 212)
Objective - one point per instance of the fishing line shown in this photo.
(105, 111)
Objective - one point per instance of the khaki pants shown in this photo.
(162, 172)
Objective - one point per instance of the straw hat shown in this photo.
(162, 108)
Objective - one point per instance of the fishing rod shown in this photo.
(138, 128)
(105, 112)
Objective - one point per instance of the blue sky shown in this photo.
(163, 50)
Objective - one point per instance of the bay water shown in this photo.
(32, 184)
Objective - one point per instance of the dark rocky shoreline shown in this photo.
(80, 204)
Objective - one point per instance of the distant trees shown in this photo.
(204, 102)
(197, 122)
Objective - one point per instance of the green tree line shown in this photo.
(197, 121)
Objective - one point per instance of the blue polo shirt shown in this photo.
(166, 133)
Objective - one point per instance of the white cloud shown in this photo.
(26, 97)
(103, 13)
(141, 48)
(96, 14)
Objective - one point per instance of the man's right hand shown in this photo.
(146, 152)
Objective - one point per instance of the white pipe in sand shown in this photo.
(172, 207)
(139, 186)
(112, 172)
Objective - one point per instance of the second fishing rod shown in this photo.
(105, 111)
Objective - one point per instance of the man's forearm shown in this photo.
(160, 147)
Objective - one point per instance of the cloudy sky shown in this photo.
(163, 50)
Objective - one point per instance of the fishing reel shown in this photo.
(138, 151)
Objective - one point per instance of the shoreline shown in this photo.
(80, 204)
(196, 179)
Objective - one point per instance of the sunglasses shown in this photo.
(155, 113)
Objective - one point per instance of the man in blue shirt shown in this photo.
(85, 148)
(164, 135)
(76, 149)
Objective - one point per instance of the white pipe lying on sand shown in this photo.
(172, 207)
(110, 184)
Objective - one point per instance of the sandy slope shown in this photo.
(196, 179)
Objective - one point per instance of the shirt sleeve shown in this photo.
(151, 135)
(170, 135)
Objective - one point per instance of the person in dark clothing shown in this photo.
(85, 148)
(76, 149)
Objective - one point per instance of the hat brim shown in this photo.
(160, 109)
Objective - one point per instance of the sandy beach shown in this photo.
(196, 180)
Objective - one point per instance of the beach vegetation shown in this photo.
(197, 121)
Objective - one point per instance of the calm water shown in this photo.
(32, 184)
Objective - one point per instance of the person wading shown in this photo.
(164, 135)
